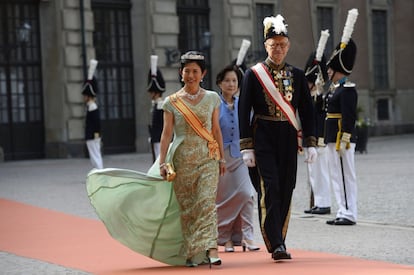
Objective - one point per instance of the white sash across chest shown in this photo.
(266, 80)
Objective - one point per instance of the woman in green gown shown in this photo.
(172, 222)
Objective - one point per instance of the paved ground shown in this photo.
(385, 229)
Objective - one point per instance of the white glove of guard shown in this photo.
(249, 158)
(342, 148)
(312, 155)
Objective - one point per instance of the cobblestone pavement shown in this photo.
(385, 229)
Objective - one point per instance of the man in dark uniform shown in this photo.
(340, 126)
(156, 86)
(272, 92)
(318, 173)
(92, 120)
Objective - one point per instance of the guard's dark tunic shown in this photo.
(320, 114)
(343, 100)
(156, 122)
(274, 140)
(92, 124)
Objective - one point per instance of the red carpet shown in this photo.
(84, 244)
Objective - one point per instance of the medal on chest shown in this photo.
(283, 81)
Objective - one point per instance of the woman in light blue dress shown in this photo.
(235, 195)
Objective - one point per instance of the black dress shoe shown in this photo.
(344, 221)
(318, 210)
(280, 253)
(331, 222)
(340, 221)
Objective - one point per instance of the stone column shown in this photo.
(62, 51)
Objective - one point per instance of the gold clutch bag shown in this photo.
(170, 172)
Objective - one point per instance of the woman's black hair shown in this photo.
(193, 56)
(230, 68)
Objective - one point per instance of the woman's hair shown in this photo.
(193, 56)
(230, 68)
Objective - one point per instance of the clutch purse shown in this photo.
(170, 172)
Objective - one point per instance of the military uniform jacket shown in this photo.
(157, 121)
(320, 114)
(292, 84)
(343, 100)
(93, 122)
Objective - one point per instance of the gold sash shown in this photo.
(195, 123)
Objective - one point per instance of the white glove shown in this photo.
(312, 155)
(342, 148)
(321, 142)
(248, 157)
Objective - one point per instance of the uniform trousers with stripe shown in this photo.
(94, 149)
(318, 173)
(344, 187)
(275, 144)
(156, 147)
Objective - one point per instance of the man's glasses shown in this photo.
(282, 45)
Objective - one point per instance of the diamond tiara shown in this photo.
(192, 57)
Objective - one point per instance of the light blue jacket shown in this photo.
(229, 124)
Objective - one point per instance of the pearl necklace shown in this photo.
(192, 96)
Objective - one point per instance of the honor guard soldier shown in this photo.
(156, 87)
(272, 92)
(239, 61)
(318, 174)
(92, 120)
(340, 126)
